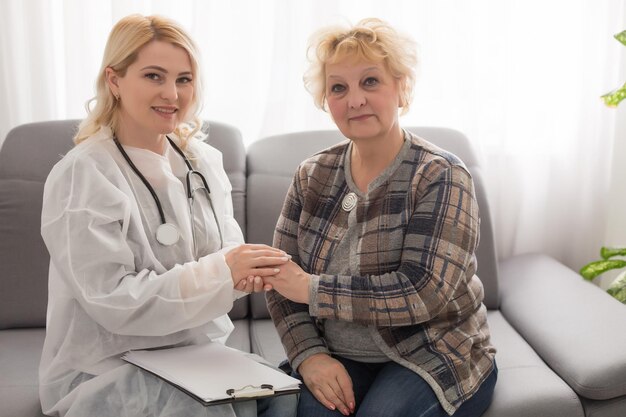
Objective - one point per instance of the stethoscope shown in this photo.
(167, 234)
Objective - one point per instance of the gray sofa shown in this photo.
(561, 341)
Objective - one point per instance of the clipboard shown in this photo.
(213, 373)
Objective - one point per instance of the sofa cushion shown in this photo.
(227, 139)
(23, 255)
(240, 309)
(20, 352)
(258, 306)
(615, 407)
(265, 342)
(526, 385)
(240, 337)
(30, 150)
(532, 285)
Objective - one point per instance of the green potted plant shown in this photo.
(613, 98)
(609, 262)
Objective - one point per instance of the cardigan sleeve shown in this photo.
(298, 332)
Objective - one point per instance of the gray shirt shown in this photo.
(348, 339)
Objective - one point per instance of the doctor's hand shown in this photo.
(329, 382)
(290, 281)
(249, 261)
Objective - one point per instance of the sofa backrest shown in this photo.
(26, 157)
(271, 164)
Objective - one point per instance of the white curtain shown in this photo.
(521, 78)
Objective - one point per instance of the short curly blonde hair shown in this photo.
(371, 40)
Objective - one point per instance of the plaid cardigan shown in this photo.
(416, 283)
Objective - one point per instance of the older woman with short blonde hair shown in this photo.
(380, 311)
(371, 40)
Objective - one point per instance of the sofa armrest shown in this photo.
(576, 328)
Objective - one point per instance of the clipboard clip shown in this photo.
(251, 391)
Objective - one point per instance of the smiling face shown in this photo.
(155, 93)
(363, 99)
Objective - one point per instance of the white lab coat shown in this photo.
(113, 287)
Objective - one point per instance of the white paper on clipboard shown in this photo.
(214, 373)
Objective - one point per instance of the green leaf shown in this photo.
(621, 37)
(613, 98)
(607, 253)
(618, 288)
(593, 269)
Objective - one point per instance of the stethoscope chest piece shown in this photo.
(167, 234)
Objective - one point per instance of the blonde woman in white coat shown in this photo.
(135, 264)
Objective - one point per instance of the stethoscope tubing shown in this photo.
(142, 178)
(188, 183)
(189, 191)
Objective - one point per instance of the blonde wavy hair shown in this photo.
(125, 41)
(371, 40)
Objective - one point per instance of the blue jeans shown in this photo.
(280, 406)
(391, 390)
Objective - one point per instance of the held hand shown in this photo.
(291, 282)
(250, 285)
(250, 260)
(329, 382)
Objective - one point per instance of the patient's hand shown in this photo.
(291, 282)
(329, 382)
